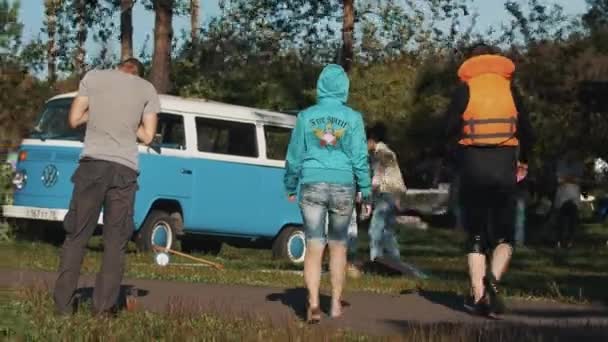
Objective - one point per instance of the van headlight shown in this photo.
(19, 179)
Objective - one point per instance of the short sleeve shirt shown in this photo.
(117, 102)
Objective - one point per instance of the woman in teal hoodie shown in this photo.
(327, 160)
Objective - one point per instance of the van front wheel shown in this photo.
(158, 230)
(290, 245)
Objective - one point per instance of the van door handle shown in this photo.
(185, 172)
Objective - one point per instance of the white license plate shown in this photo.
(42, 214)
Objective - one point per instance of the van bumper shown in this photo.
(35, 213)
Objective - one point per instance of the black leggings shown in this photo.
(567, 223)
(488, 189)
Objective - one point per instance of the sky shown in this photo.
(491, 13)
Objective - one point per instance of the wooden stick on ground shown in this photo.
(187, 256)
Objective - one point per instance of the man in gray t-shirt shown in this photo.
(117, 101)
(119, 107)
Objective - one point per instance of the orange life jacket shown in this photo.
(490, 118)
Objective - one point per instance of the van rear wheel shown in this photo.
(290, 245)
(158, 230)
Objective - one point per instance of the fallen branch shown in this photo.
(187, 256)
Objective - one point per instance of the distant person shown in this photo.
(388, 188)
(119, 107)
(488, 123)
(327, 155)
(570, 171)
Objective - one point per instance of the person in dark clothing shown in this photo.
(488, 128)
(569, 175)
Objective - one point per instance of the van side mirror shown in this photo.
(156, 143)
(158, 139)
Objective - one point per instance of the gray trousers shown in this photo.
(97, 184)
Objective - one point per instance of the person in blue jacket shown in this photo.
(327, 160)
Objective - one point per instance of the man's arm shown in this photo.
(360, 158)
(446, 144)
(147, 129)
(293, 160)
(525, 132)
(453, 115)
(79, 112)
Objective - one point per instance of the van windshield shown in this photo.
(52, 123)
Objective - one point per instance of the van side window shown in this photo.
(226, 137)
(171, 127)
(277, 140)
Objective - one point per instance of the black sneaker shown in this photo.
(481, 308)
(496, 301)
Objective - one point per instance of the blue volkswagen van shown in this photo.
(215, 176)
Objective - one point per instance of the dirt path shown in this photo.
(370, 313)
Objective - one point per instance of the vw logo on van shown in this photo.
(49, 176)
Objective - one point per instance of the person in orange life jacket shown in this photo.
(486, 125)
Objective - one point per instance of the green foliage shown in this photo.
(307, 27)
(268, 54)
(597, 16)
(554, 62)
(6, 189)
(238, 60)
(596, 20)
(281, 84)
(10, 29)
(20, 95)
(97, 15)
(542, 22)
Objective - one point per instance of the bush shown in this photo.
(5, 198)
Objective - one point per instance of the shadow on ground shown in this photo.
(450, 300)
(456, 302)
(560, 313)
(85, 295)
(296, 299)
(500, 332)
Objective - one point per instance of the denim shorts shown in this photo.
(336, 201)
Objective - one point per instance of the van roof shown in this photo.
(204, 106)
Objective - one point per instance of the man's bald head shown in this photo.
(132, 66)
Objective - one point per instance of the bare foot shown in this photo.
(313, 315)
(336, 309)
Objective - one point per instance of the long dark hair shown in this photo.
(481, 48)
(377, 132)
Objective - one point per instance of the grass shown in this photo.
(26, 315)
(576, 275)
